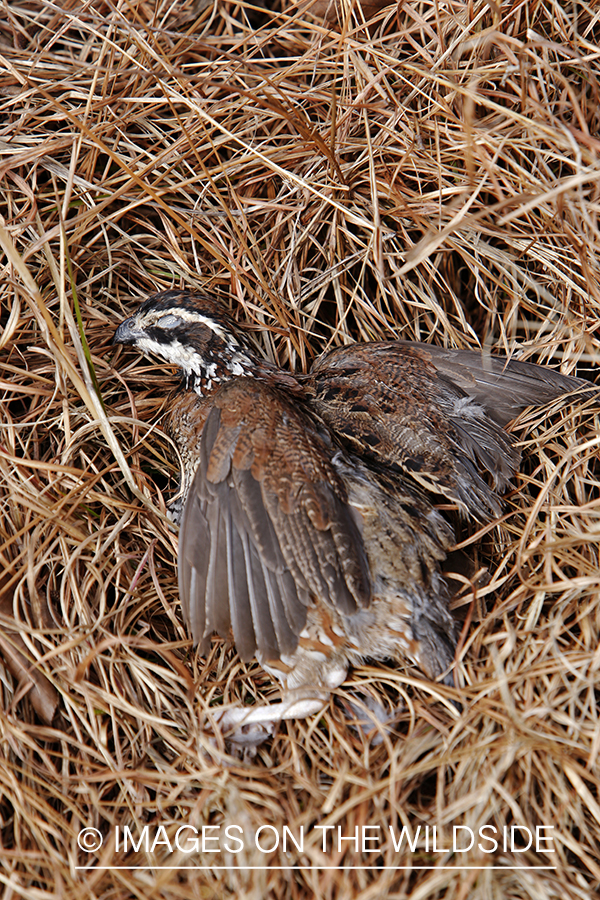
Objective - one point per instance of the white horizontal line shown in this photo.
(311, 868)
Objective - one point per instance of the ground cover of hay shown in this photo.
(433, 176)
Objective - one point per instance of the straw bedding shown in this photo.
(431, 175)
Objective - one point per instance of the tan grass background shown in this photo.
(434, 175)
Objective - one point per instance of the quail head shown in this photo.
(308, 524)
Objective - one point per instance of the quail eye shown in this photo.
(169, 322)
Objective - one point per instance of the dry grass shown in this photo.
(433, 176)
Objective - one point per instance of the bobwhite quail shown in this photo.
(308, 527)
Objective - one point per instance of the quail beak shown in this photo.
(127, 332)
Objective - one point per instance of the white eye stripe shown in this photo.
(169, 321)
(186, 315)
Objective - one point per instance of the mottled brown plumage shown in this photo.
(266, 484)
(309, 531)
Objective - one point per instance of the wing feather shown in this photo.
(434, 413)
(266, 524)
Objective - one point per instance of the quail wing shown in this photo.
(265, 526)
(435, 414)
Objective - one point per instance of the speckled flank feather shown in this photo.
(393, 408)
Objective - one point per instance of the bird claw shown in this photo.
(225, 731)
(245, 728)
(236, 729)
